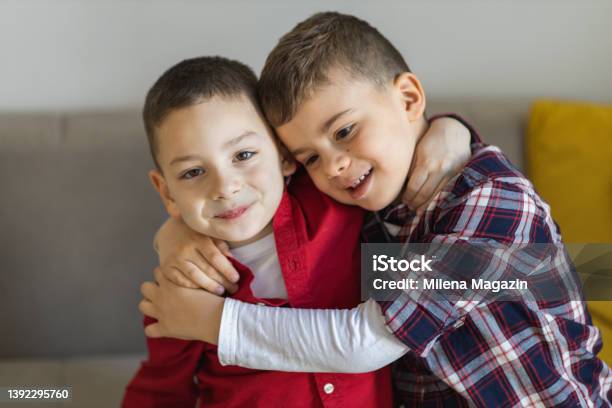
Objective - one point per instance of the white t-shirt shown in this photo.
(261, 257)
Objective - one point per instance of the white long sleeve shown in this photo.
(306, 340)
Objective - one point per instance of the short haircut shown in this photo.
(301, 60)
(191, 82)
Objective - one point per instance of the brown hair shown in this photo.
(193, 81)
(302, 58)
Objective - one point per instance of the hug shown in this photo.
(272, 185)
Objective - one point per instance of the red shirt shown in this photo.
(317, 241)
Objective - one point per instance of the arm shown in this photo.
(488, 228)
(509, 338)
(256, 336)
(348, 341)
(439, 155)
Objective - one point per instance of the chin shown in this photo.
(372, 207)
(240, 236)
(378, 203)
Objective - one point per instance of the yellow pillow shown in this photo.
(569, 156)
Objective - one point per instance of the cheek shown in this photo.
(381, 145)
(267, 180)
(190, 207)
(190, 201)
(323, 184)
(370, 146)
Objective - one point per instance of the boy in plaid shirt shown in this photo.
(345, 103)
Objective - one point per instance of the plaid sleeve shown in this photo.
(494, 211)
(519, 353)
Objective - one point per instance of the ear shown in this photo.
(412, 95)
(159, 182)
(288, 164)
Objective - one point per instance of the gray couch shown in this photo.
(78, 215)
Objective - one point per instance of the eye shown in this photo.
(311, 160)
(344, 132)
(246, 155)
(189, 174)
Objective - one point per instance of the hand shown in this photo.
(440, 154)
(188, 314)
(194, 260)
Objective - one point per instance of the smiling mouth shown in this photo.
(360, 180)
(233, 213)
(361, 185)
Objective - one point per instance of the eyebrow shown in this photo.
(238, 139)
(227, 144)
(183, 158)
(330, 121)
(324, 129)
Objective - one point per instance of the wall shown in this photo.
(61, 55)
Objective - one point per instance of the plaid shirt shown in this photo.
(496, 353)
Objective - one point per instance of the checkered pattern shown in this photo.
(495, 353)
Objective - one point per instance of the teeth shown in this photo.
(360, 179)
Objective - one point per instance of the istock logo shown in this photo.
(383, 263)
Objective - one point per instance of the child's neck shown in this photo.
(267, 230)
(421, 127)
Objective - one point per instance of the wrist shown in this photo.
(212, 327)
(226, 348)
(444, 124)
(460, 120)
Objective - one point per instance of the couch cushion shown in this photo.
(77, 227)
(569, 151)
(27, 132)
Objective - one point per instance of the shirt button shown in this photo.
(328, 388)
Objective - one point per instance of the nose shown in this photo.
(336, 165)
(225, 186)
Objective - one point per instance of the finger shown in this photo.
(147, 308)
(415, 182)
(204, 267)
(157, 273)
(160, 277)
(220, 263)
(149, 290)
(175, 276)
(215, 275)
(153, 330)
(231, 287)
(196, 275)
(223, 247)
